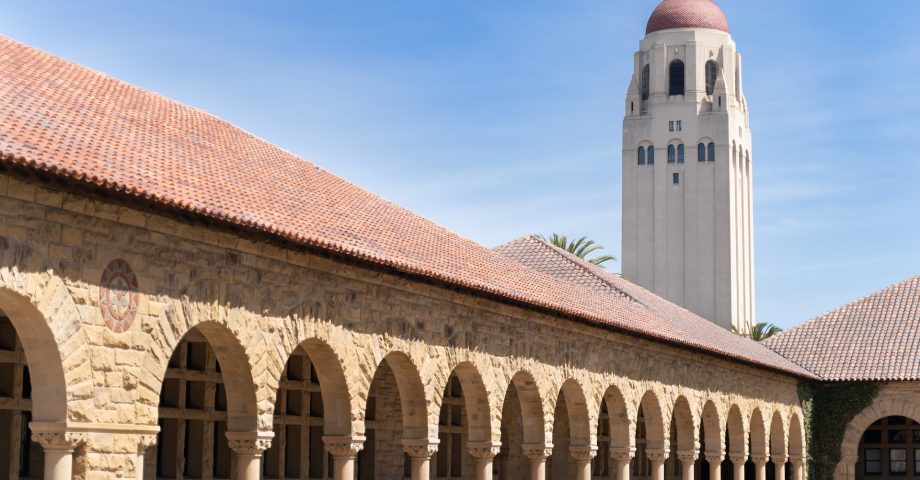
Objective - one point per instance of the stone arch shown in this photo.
(777, 436)
(714, 436)
(737, 440)
(796, 437)
(683, 419)
(656, 430)
(622, 434)
(531, 403)
(336, 397)
(759, 441)
(579, 418)
(411, 394)
(882, 407)
(476, 400)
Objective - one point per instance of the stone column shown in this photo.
(248, 447)
(657, 458)
(798, 467)
(738, 461)
(344, 450)
(144, 442)
(537, 454)
(420, 452)
(58, 448)
(484, 453)
(779, 466)
(687, 462)
(760, 467)
(621, 457)
(714, 459)
(583, 457)
(849, 464)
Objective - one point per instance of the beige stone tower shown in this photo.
(687, 213)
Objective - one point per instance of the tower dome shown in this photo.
(687, 14)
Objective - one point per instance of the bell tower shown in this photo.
(687, 165)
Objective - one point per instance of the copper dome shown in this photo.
(687, 14)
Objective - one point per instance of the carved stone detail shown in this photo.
(797, 459)
(145, 441)
(759, 459)
(779, 459)
(537, 452)
(344, 446)
(687, 455)
(484, 450)
(738, 458)
(421, 448)
(59, 440)
(249, 443)
(714, 457)
(657, 455)
(622, 454)
(583, 454)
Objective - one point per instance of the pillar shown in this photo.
(714, 459)
(760, 467)
(779, 464)
(738, 461)
(58, 447)
(687, 462)
(537, 454)
(420, 452)
(621, 458)
(344, 450)
(849, 463)
(657, 458)
(248, 447)
(144, 442)
(484, 453)
(798, 467)
(583, 457)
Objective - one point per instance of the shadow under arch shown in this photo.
(621, 437)
(686, 432)
(476, 402)
(49, 385)
(531, 404)
(411, 395)
(712, 428)
(654, 422)
(796, 437)
(337, 401)
(734, 427)
(777, 437)
(758, 434)
(577, 407)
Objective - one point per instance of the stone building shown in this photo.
(180, 299)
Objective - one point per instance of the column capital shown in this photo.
(797, 459)
(714, 457)
(738, 458)
(583, 454)
(145, 441)
(484, 450)
(759, 459)
(421, 447)
(67, 441)
(779, 458)
(620, 454)
(249, 443)
(657, 454)
(537, 451)
(344, 446)
(687, 455)
(850, 459)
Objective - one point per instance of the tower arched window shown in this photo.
(680, 153)
(712, 75)
(641, 155)
(645, 81)
(650, 160)
(677, 77)
(712, 152)
(672, 154)
(701, 152)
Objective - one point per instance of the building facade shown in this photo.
(687, 200)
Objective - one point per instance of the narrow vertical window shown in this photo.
(632, 107)
(679, 126)
(680, 153)
(701, 153)
(671, 154)
(676, 78)
(712, 152)
(676, 179)
(641, 155)
(671, 126)
(712, 74)
(644, 86)
(651, 155)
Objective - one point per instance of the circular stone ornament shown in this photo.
(118, 297)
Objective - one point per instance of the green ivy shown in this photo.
(826, 411)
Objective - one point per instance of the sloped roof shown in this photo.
(875, 338)
(80, 126)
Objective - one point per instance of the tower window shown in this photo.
(680, 153)
(676, 78)
(671, 154)
(651, 155)
(671, 126)
(701, 152)
(678, 126)
(644, 86)
(676, 179)
(712, 74)
(641, 155)
(712, 152)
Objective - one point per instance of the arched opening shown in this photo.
(464, 418)
(649, 435)
(676, 78)
(312, 402)
(651, 155)
(778, 452)
(683, 439)
(199, 405)
(612, 433)
(680, 153)
(735, 439)
(889, 448)
(701, 152)
(641, 156)
(396, 411)
(24, 458)
(711, 441)
(522, 423)
(712, 152)
(645, 83)
(712, 74)
(758, 442)
(672, 154)
(570, 429)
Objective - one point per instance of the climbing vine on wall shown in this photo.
(826, 411)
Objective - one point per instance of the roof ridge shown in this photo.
(582, 264)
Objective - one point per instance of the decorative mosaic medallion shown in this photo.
(118, 295)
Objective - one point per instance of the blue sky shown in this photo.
(501, 119)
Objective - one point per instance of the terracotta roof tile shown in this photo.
(686, 14)
(874, 338)
(85, 127)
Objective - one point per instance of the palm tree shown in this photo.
(580, 248)
(761, 331)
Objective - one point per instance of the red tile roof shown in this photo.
(874, 338)
(86, 128)
(687, 14)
